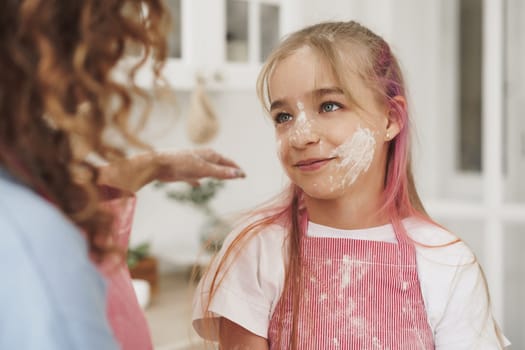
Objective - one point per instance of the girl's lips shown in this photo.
(312, 164)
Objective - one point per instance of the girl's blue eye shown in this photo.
(282, 118)
(329, 107)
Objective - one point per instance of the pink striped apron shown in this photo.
(357, 294)
(124, 313)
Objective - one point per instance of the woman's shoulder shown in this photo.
(23, 210)
(48, 261)
(39, 232)
(40, 237)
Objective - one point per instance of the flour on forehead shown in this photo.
(356, 154)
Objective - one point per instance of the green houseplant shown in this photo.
(142, 265)
(213, 229)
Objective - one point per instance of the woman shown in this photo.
(57, 96)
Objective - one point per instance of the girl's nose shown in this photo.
(304, 132)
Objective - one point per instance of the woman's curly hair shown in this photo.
(57, 90)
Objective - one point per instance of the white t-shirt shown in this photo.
(452, 284)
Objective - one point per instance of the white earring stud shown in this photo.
(387, 136)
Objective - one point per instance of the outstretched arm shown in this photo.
(133, 173)
(232, 336)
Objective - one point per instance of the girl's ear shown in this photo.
(395, 117)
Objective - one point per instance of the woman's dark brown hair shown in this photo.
(57, 90)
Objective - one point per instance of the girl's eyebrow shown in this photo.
(317, 93)
(277, 104)
(328, 91)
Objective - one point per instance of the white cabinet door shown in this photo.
(223, 42)
(515, 100)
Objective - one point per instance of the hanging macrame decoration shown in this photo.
(202, 124)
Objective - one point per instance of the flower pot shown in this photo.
(147, 269)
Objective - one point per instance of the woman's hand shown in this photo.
(192, 165)
(133, 173)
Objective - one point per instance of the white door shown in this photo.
(481, 194)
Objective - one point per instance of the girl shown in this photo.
(347, 258)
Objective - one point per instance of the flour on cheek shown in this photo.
(356, 155)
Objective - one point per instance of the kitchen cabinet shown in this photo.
(221, 41)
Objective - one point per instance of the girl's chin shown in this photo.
(323, 192)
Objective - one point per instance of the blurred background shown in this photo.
(463, 62)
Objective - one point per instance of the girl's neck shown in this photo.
(354, 211)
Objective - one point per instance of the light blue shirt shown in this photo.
(51, 295)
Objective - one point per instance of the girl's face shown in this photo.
(326, 145)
